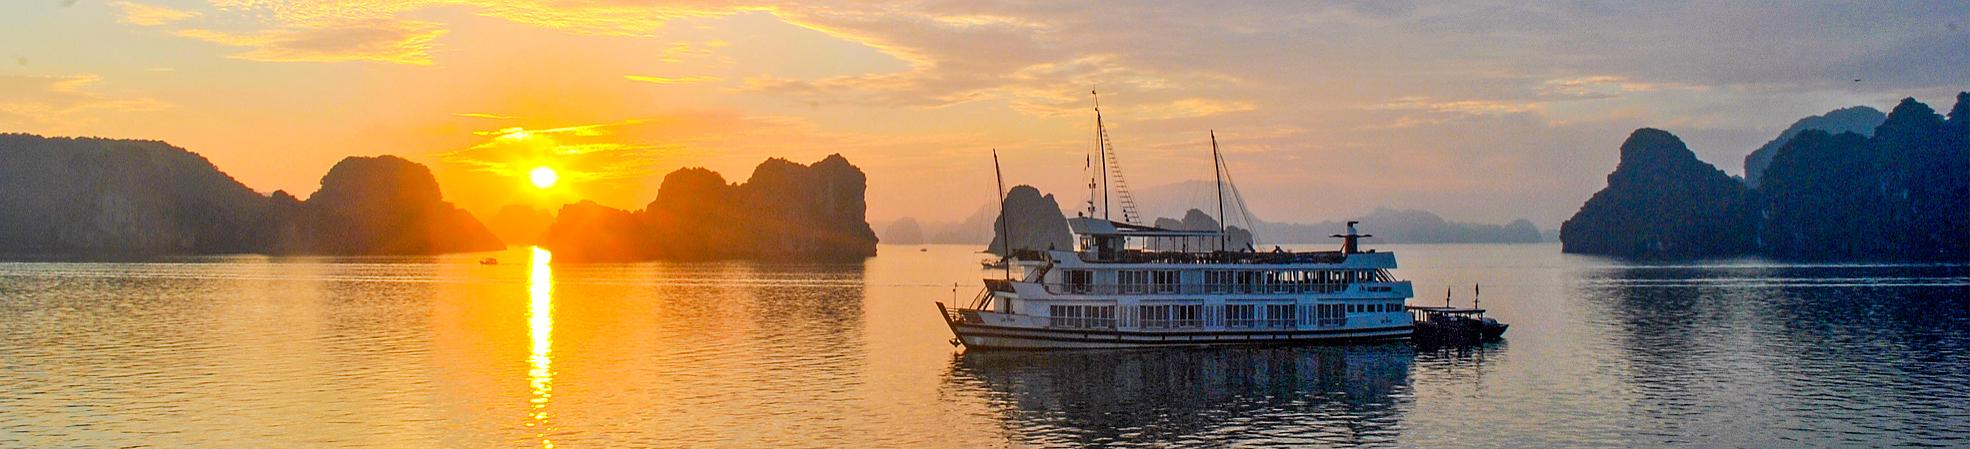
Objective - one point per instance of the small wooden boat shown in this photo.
(1452, 325)
(489, 261)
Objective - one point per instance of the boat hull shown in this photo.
(981, 336)
(988, 337)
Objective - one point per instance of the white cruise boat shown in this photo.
(1113, 292)
(1128, 285)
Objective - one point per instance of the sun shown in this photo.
(543, 177)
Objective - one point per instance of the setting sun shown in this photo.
(543, 177)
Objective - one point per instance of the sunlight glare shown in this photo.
(543, 177)
(540, 326)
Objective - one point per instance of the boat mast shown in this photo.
(1005, 226)
(1217, 174)
(1111, 170)
(1101, 143)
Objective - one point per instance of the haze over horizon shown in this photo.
(1478, 112)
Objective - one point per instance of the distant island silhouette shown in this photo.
(1900, 193)
(785, 211)
(1391, 226)
(1033, 221)
(94, 196)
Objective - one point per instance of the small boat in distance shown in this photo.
(1130, 285)
(489, 261)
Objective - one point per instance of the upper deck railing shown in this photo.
(1058, 288)
(1216, 257)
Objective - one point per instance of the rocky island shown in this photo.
(1898, 193)
(92, 196)
(785, 211)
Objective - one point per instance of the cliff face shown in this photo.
(806, 212)
(1898, 195)
(1822, 197)
(1036, 221)
(383, 205)
(104, 196)
(1858, 119)
(785, 211)
(129, 197)
(1661, 202)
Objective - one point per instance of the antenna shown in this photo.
(1005, 226)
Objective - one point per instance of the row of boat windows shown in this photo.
(1169, 316)
(1222, 281)
(1172, 277)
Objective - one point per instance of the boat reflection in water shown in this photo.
(1289, 396)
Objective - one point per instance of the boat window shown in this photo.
(1082, 316)
(1248, 281)
(1133, 281)
(1218, 281)
(1188, 316)
(1154, 316)
(1079, 281)
(1165, 281)
(1171, 316)
(1280, 315)
(1329, 314)
(1240, 315)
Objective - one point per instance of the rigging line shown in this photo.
(1240, 201)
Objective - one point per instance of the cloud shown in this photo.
(670, 80)
(581, 153)
(1600, 86)
(484, 116)
(151, 15)
(62, 102)
(382, 40)
(607, 17)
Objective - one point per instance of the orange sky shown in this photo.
(1478, 112)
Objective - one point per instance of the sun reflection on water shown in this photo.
(540, 326)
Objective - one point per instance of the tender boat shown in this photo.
(1129, 285)
(1454, 325)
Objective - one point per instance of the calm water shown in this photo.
(443, 352)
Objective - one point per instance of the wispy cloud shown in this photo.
(484, 116)
(151, 15)
(1601, 86)
(670, 80)
(62, 102)
(392, 41)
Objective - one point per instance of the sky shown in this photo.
(1478, 111)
